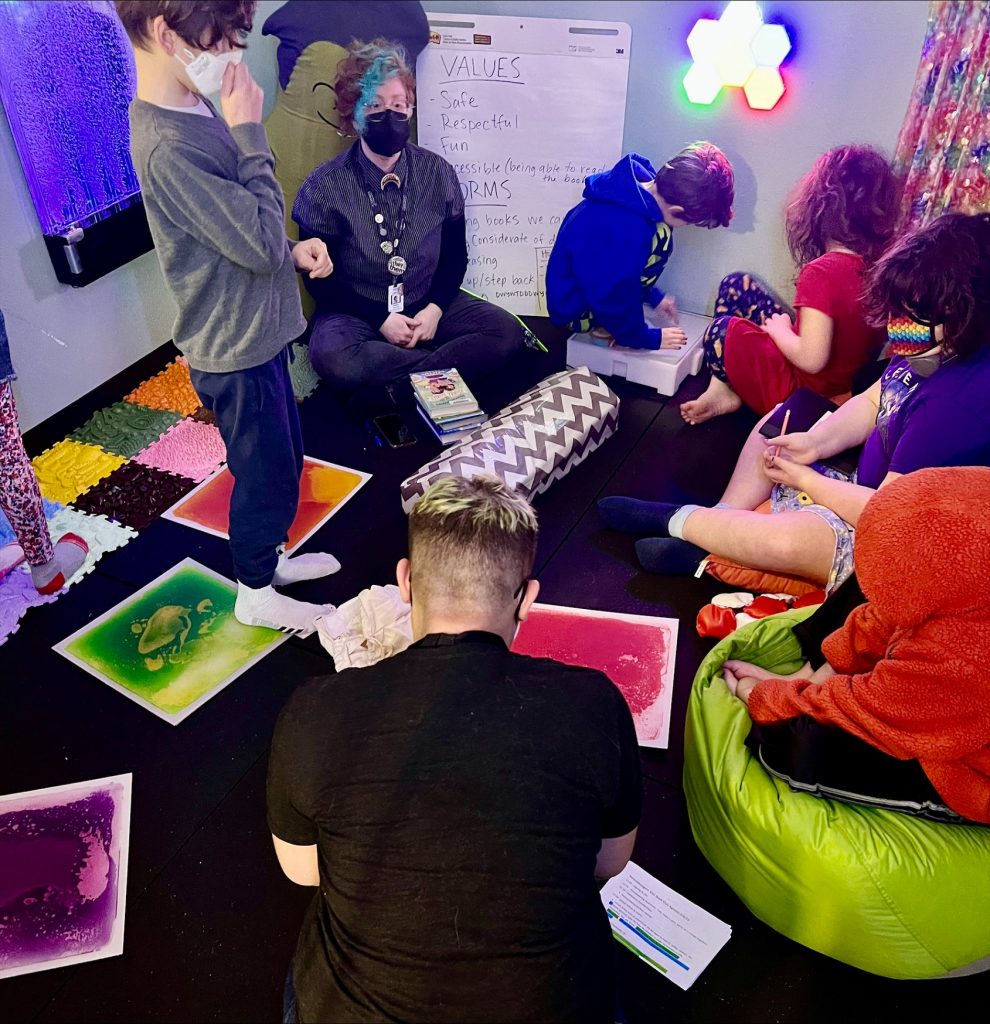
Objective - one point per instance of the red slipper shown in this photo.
(54, 585)
(73, 538)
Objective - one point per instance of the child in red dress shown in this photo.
(843, 215)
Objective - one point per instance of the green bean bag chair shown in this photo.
(891, 894)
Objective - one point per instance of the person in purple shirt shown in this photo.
(925, 411)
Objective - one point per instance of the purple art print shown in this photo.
(63, 874)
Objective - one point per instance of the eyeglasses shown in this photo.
(375, 111)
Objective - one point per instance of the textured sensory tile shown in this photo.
(70, 467)
(17, 595)
(171, 390)
(189, 449)
(304, 377)
(125, 428)
(101, 535)
(204, 415)
(134, 495)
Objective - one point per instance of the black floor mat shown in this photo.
(211, 922)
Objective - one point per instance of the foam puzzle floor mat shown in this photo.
(125, 428)
(71, 467)
(128, 463)
(134, 495)
(17, 595)
(101, 535)
(171, 390)
(17, 591)
(116, 474)
(304, 378)
(190, 449)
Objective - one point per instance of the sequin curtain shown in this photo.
(944, 145)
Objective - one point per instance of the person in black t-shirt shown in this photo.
(456, 803)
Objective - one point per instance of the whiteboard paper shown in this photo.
(525, 109)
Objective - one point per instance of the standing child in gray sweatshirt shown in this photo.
(218, 220)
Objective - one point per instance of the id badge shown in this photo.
(396, 298)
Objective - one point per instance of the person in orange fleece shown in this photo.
(899, 714)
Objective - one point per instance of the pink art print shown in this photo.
(637, 652)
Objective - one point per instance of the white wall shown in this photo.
(849, 82)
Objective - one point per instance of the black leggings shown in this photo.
(827, 761)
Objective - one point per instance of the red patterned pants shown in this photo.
(20, 497)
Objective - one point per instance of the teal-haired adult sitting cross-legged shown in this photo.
(392, 216)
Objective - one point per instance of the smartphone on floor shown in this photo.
(393, 430)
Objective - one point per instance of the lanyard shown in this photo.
(390, 240)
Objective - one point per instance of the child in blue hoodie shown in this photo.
(613, 246)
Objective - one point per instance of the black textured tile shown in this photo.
(134, 495)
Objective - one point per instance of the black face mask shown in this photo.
(386, 133)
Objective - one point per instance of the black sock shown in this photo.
(669, 556)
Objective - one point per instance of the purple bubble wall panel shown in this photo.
(63, 874)
(66, 79)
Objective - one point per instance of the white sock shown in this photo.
(304, 567)
(675, 527)
(265, 606)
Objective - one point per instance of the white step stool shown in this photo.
(663, 369)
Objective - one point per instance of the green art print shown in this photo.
(173, 644)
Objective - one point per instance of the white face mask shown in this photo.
(206, 70)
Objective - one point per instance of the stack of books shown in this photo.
(446, 404)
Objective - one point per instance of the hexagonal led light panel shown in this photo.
(737, 51)
(763, 88)
(702, 83)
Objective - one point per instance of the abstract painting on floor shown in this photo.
(63, 874)
(172, 645)
(323, 490)
(637, 652)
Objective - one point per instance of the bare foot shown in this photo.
(717, 400)
(747, 670)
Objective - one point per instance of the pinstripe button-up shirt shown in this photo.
(334, 204)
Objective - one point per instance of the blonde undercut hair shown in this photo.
(471, 543)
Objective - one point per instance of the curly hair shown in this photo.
(365, 69)
(200, 23)
(700, 180)
(850, 197)
(938, 275)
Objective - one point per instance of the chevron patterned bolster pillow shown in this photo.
(534, 441)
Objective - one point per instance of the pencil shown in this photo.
(783, 430)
